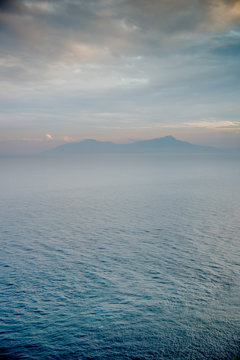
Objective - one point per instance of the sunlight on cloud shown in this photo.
(235, 10)
(223, 14)
(213, 124)
(49, 136)
(206, 124)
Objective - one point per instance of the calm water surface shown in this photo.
(120, 257)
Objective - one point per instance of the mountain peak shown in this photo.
(169, 137)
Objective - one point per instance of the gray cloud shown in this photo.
(44, 35)
(152, 60)
(49, 29)
(11, 6)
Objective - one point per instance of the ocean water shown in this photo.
(120, 257)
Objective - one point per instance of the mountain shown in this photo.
(164, 144)
(167, 144)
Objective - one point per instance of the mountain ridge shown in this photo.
(155, 145)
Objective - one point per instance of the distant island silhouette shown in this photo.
(157, 145)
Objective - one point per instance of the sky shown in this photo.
(118, 70)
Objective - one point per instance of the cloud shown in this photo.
(50, 39)
(66, 138)
(49, 136)
(11, 6)
(221, 124)
(76, 30)
(147, 62)
(208, 124)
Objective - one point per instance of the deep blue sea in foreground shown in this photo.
(120, 257)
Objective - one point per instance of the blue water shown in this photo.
(120, 257)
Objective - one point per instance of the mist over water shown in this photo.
(120, 257)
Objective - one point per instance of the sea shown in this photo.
(120, 256)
